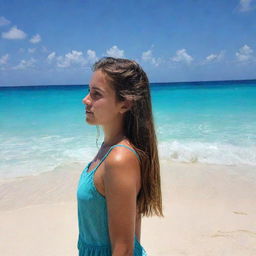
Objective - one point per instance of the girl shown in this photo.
(122, 182)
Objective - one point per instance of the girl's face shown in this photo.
(101, 105)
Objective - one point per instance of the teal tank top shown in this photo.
(93, 238)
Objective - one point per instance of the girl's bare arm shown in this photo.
(121, 183)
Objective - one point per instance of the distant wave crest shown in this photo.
(210, 153)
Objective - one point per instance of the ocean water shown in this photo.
(42, 127)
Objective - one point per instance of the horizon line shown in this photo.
(205, 81)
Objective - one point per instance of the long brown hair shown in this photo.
(130, 82)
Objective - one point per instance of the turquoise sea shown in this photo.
(43, 127)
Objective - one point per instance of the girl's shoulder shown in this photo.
(122, 166)
(121, 155)
(125, 147)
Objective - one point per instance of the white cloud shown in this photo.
(214, 57)
(35, 39)
(14, 33)
(91, 56)
(245, 5)
(31, 50)
(147, 56)
(211, 57)
(73, 57)
(244, 53)
(51, 56)
(4, 59)
(44, 49)
(115, 52)
(24, 64)
(4, 21)
(182, 56)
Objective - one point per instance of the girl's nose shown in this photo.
(86, 100)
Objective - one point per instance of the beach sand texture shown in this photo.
(209, 210)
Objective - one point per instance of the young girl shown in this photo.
(122, 182)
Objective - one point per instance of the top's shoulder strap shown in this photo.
(109, 152)
(128, 148)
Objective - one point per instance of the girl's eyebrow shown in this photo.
(97, 88)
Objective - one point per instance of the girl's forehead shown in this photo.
(99, 81)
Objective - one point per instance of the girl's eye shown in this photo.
(95, 93)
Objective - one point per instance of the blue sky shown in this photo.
(55, 42)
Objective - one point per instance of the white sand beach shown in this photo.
(209, 210)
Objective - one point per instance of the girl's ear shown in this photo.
(127, 104)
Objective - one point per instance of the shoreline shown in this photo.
(209, 210)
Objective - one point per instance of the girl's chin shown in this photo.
(89, 119)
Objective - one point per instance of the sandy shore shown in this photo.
(209, 210)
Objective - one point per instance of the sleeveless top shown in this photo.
(93, 238)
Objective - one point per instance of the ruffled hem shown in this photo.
(94, 250)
